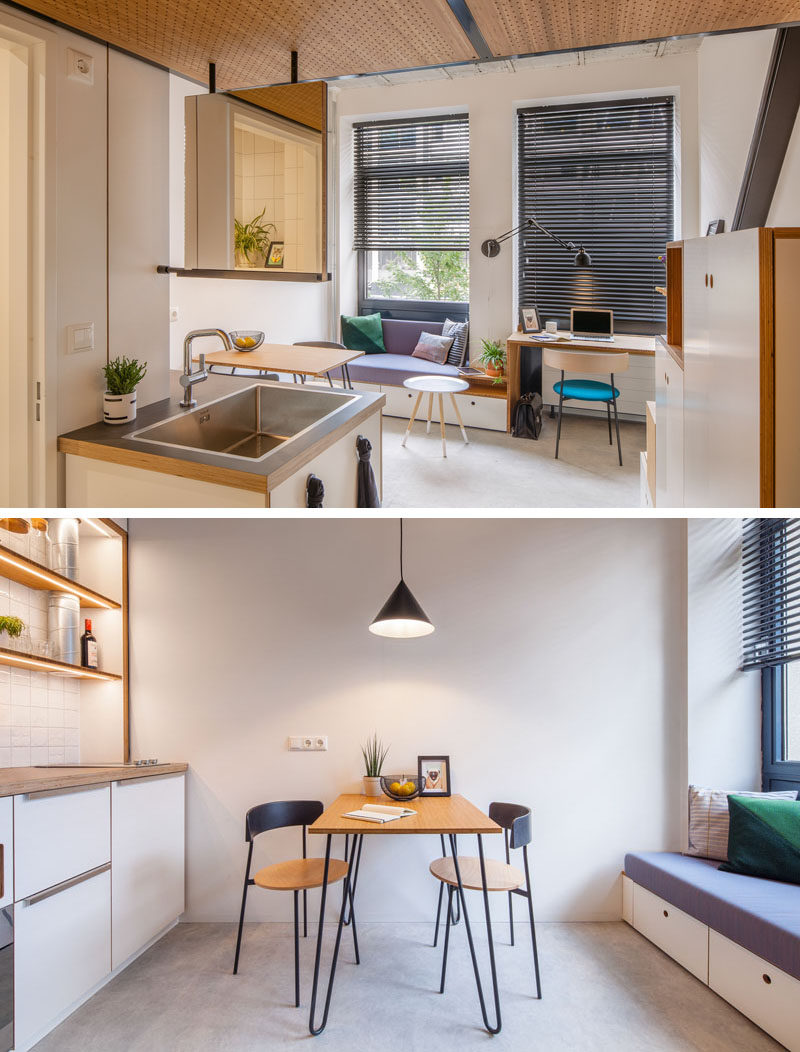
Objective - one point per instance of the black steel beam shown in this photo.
(470, 27)
(777, 114)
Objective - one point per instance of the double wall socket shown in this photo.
(308, 742)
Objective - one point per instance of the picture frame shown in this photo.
(434, 773)
(716, 226)
(529, 319)
(275, 254)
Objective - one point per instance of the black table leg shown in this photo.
(313, 1028)
(465, 915)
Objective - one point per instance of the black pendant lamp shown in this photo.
(401, 616)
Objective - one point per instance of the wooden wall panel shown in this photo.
(513, 27)
(251, 43)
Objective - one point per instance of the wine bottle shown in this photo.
(88, 647)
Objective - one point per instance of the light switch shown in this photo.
(80, 337)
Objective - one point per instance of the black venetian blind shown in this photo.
(598, 174)
(771, 592)
(412, 184)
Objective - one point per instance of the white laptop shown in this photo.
(594, 324)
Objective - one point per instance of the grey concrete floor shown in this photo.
(498, 471)
(605, 989)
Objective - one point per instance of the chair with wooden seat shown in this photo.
(600, 362)
(323, 343)
(515, 820)
(295, 875)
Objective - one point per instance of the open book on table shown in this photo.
(379, 813)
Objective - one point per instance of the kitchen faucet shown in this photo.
(189, 379)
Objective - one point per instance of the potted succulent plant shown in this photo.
(119, 399)
(374, 753)
(494, 358)
(251, 240)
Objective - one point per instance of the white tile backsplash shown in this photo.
(36, 707)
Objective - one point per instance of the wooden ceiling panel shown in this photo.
(519, 27)
(251, 40)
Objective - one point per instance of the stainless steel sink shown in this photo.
(249, 423)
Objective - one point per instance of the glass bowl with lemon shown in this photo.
(401, 787)
(246, 339)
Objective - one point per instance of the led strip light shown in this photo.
(57, 582)
(9, 657)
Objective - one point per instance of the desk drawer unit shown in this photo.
(60, 834)
(675, 932)
(762, 992)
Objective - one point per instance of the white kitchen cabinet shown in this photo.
(59, 834)
(62, 951)
(147, 852)
(6, 851)
(669, 431)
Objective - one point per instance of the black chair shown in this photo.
(344, 374)
(500, 876)
(295, 875)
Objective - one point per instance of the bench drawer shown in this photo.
(762, 992)
(476, 410)
(58, 835)
(675, 932)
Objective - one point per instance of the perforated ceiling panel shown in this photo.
(516, 27)
(251, 41)
(304, 103)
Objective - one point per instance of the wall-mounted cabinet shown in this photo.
(255, 182)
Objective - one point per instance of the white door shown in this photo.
(147, 853)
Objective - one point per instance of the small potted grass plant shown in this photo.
(119, 399)
(374, 753)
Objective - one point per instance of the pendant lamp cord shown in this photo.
(401, 549)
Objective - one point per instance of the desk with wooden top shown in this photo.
(449, 816)
(524, 359)
(297, 359)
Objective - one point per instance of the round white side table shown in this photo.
(439, 385)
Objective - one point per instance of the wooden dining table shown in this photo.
(298, 359)
(443, 816)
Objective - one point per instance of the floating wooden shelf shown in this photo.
(32, 663)
(33, 575)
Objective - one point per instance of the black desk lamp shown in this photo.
(491, 248)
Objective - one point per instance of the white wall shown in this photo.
(731, 74)
(554, 678)
(286, 311)
(491, 100)
(723, 704)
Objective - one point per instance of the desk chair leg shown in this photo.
(430, 413)
(560, 406)
(441, 424)
(446, 935)
(411, 420)
(510, 896)
(313, 1028)
(455, 913)
(296, 951)
(330, 381)
(244, 903)
(346, 372)
(608, 415)
(438, 914)
(305, 914)
(465, 915)
(616, 419)
(533, 926)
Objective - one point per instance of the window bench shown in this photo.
(740, 935)
(483, 405)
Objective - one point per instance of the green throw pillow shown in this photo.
(764, 838)
(363, 333)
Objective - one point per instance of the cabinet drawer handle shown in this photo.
(472, 403)
(706, 280)
(42, 794)
(711, 280)
(766, 978)
(666, 913)
(666, 377)
(66, 884)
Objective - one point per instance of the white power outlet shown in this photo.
(308, 743)
(80, 67)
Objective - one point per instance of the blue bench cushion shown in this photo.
(588, 390)
(394, 368)
(761, 915)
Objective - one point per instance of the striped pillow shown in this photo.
(709, 819)
(459, 330)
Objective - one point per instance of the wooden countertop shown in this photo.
(644, 345)
(435, 814)
(16, 780)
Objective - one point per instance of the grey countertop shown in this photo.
(105, 442)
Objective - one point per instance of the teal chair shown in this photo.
(604, 363)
